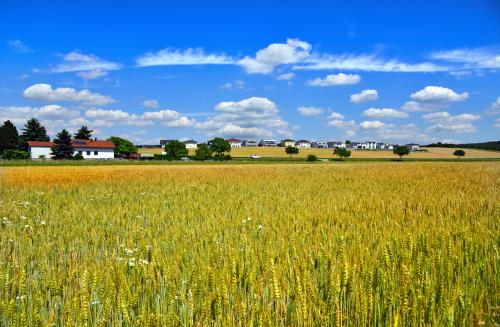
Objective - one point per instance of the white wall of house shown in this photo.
(289, 143)
(191, 146)
(38, 151)
(303, 145)
(96, 153)
(235, 144)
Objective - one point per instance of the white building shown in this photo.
(371, 145)
(413, 147)
(249, 143)
(303, 144)
(287, 143)
(319, 144)
(190, 144)
(235, 143)
(268, 143)
(335, 144)
(89, 149)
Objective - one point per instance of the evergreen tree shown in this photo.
(9, 137)
(62, 148)
(84, 133)
(33, 131)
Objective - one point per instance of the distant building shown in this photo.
(319, 144)
(88, 149)
(287, 143)
(191, 144)
(268, 143)
(165, 142)
(335, 144)
(371, 145)
(235, 143)
(303, 144)
(249, 143)
(413, 147)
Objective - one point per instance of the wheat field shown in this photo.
(279, 152)
(251, 245)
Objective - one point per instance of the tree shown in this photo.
(203, 152)
(291, 150)
(62, 148)
(219, 147)
(401, 151)
(33, 131)
(176, 150)
(459, 153)
(123, 147)
(9, 137)
(312, 157)
(342, 153)
(84, 133)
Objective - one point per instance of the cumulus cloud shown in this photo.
(365, 62)
(77, 61)
(310, 111)
(274, 55)
(335, 79)
(382, 113)
(47, 93)
(285, 76)
(150, 103)
(237, 84)
(335, 115)
(364, 96)
(190, 56)
(432, 98)
(372, 124)
(494, 107)
(471, 58)
(92, 74)
(252, 117)
(443, 122)
(341, 123)
(438, 94)
(17, 46)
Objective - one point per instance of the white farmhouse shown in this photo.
(235, 143)
(89, 149)
(190, 144)
(303, 144)
(371, 145)
(287, 143)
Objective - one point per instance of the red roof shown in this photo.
(40, 143)
(233, 140)
(98, 144)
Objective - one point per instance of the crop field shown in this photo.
(381, 244)
(279, 152)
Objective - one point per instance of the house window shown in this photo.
(96, 153)
(88, 153)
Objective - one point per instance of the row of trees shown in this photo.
(216, 149)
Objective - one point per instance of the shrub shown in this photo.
(160, 157)
(15, 155)
(78, 156)
(312, 157)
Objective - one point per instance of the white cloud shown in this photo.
(92, 74)
(399, 134)
(45, 92)
(364, 96)
(106, 114)
(494, 107)
(173, 57)
(423, 106)
(335, 115)
(445, 122)
(382, 113)
(372, 124)
(438, 94)
(310, 111)
(365, 62)
(335, 79)
(237, 84)
(471, 58)
(285, 76)
(54, 110)
(341, 123)
(150, 103)
(17, 46)
(77, 61)
(253, 117)
(497, 123)
(274, 55)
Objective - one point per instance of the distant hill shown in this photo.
(493, 145)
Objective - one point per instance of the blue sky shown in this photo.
(389, 71)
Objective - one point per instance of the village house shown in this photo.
(413, 147)
(89, 149)
(303, 144)
(335, 144)
(319, 144)
(268, 143)
(287, 143)
(190, 144)
(249, 143)
(235, 143)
